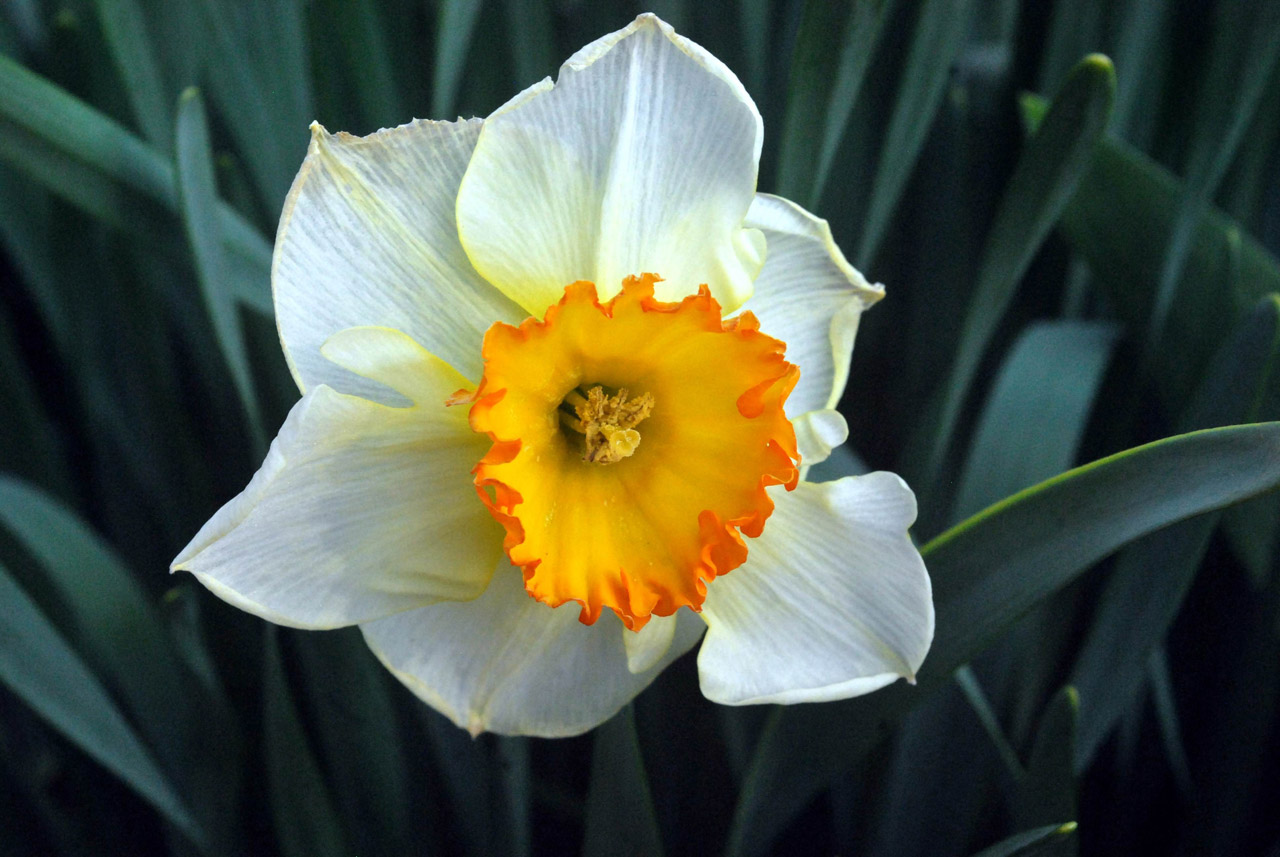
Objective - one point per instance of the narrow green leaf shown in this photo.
(1120, 220)
(1029, 842)
(112, 623)
(1254, 527)
(1245, 189)
(1233, 668)
(1049, 789)
(981, 705)
(60, 119)
(931, 792)
(833, 50)
(27, 229)
(987, 572)
(939, 32)
(1166, 707)
(466, 782)
(78, 183)
(1074, 30)
(259, 79)
(27, 446)
(862, 37)
(92, 162)
(368, 58)
(301, 807)
(516, 779)
(25, 23)
(109, 611)
(46, 673)
(1139, 62)
(753, 18)
(990, 569)
(533, 44)
(1145, 591)
(356, 735)
(197, 198)
(487, 800)
(1232, 88)
(620, 817)
(125, 28)
(813, 59)
(455, 28)
(1043, 182)
(1041, 397)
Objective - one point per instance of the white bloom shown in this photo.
(482, 264)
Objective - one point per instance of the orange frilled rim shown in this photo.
(644, 535)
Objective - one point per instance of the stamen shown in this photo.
(571, 422)
(607, 423)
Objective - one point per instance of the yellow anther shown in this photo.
(622, 442)
(608, 422)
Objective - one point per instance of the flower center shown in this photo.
(564, 396)
(607, 423)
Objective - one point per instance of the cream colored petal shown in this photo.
(810, 297)
(392, 359)
(508, 664)
(359, 511)
(833, 600)
(817, 433)
(369, 237)
(647, 646)
(641, 158)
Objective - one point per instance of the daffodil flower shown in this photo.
(561, 371)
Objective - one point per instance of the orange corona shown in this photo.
(633, 441)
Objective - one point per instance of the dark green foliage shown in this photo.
(1075, 207)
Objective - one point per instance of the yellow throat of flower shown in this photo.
(565, 396)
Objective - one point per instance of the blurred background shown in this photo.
(1079, 253)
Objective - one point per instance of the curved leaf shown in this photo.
(1145, 591)
(109, 612)
(940, 29)
(1029, 842)
(833, 50)
(41, 669)
(197, 199)
(987, 572)
(302, 808)
(1049, 789)
(88, 159)
(1121, 219)
(1035, 415)
(619, 806)
(1043, 182)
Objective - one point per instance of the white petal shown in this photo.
(817, 433)
(506, 663)
(369, 237)
(391, 358)
(810, 297)
(833, 600)
(647, 646)
(641, 158)
(359, 511)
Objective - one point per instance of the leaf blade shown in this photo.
(619, 805)
(63, 133)
(197, 200)
(987, 572)
(46, 673)
(1043, 183)
(1029, 841)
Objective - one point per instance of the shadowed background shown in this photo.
(1074, 207)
